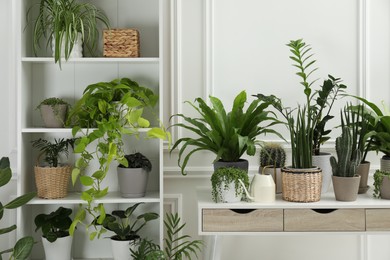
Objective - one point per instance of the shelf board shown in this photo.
(63, 130)
(111, 197)
(92, 60)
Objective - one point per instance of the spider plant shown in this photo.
(63, 20)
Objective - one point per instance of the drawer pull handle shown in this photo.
(242, 211)
(324, 211)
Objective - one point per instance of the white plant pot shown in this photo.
(121, 249)
(60, 249)
(228, 193)
(323, 162)
(77, 50)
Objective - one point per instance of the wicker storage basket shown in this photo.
(301, 185)
(121, 43)
(52, 182)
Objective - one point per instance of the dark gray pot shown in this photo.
(53, 117)
(241, 164)
(346, 188)
(132, 182)
(385, 188)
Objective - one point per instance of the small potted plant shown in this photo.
(66, 24)
(53, 112)
(126, 225)
(226, 186)
(382, 184)
(228, 135)
(56, 240)
(52, 178)
(272, 160)
(133, 175)
(345, 180)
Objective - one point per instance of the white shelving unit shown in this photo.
(39, 77)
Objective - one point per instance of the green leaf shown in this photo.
(142, 122)
(75, 175)
(98, 174)
(157, 133)
(23, 248)
(86, 180)
(5, 176)
(21, 200)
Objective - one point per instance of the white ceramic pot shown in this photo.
(121, 249)
(132, 182)
(228, 193)
(322, 161)
(77, 50)
(60, 249)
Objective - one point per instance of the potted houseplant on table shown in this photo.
(382, 184)
(272, 160)
(226, 185)
(52, 179)
(345, 180)
(133, 176)
(66, 24)
(360, 123)
(126, 225)
(228, 135)
(102, 117)
(56, 240)
(53, 112)
(302, 182)
(24, 245)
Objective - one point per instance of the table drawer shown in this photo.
(378, 219)
(308, 220)
(242, 220)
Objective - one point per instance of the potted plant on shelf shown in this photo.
(126, 225)
(133, 176)
(24, 245)
(66, 25)
(360, 123)
(272, 160)
(345, 180)
(102, 117)
(53, 112)
(228, 135)
(56, 240)
(52, 179)
(226, 186)
(382, 184)
(176, 246)
(303, 181)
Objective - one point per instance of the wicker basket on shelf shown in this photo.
(52, 182)
(301, 185)
(121, 43)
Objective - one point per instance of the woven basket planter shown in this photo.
(52, 182)
(121, 43)
(301, 185)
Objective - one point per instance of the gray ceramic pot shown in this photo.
(385, 188)
(363, 170)
(323, 162)
(241, 164)
(132, 182)
(53, 117)
(346, 188)
(385, 164)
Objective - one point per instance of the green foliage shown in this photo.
(378, 179)
(348, 160)
(108, 111)
(137, 160)
(23, 246)
(176, 247)
(307, 123)
(227, 176)
(227, 135)
(52, 101)
(272, 154)
(52, 150)
(63, 20)
(125, 224)
(54, 225)
(380, 125)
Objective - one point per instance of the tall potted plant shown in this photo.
(106, 113)
(228, 135)
(345, 180)
(66, 24)
(306, 125)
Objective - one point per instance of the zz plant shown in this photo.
(106, 113)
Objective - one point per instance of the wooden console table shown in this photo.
(363, 216)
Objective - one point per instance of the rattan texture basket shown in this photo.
(301, 185)
(121, 43)
(52, 182)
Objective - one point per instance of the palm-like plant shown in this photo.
(63, 20)
(227, 134)
(52, 150)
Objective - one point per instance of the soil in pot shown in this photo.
(346, 188)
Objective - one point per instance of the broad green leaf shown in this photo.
(23, 247)
(7, 230)
(21, 200)
(142, 122)
(86, 180)
(98, 175)
(5, 176)
(85, 196)
(157, 133)
(75, 175)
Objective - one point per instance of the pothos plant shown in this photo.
(106, 112)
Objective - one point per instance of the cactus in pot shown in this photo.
(345, 180)
(274, 156)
